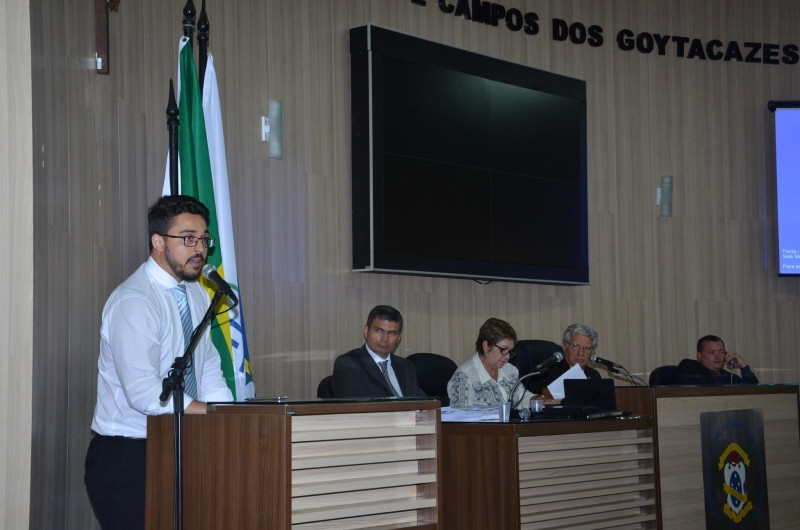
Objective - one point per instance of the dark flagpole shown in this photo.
(176, 385)
(203, 27)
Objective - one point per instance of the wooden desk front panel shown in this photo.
(480, 487)
(549, 475)
(365, 470)
(589, 480)
(680, 453)
(235, 471)
(321, 466)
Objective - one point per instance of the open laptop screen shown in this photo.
(590, 393)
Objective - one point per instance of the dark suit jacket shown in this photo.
(537, 384)
(691, 372)
(355, 374)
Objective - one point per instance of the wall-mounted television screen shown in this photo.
(787, 164)
(465, 165)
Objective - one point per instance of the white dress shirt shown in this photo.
(140, 337)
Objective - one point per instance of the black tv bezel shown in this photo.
(367, 45)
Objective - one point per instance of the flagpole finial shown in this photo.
(189, 12)
(202, 21)
(173, 121)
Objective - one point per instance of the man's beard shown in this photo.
(179, 269)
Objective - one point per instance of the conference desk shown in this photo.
(392, 463)
(643, 472)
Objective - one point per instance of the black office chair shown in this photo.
(433, 373)
(325, 389)
(664, 376)
(529, 353)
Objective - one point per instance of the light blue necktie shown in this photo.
(190, 383)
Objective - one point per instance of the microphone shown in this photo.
(210, 273)
(557, 357)
(618, 369)
(610, 364)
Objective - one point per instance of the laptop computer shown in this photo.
(586, 399)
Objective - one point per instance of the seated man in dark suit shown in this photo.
(373, 370)
(579, 343)
(708, 369)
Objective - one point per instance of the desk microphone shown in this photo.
(557, 357)
(611, 364)
(210, 273)
(617, 369)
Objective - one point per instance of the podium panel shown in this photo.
(577, 474)
(680, 449)
(359, 464)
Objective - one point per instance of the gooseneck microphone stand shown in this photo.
(174, 384)
(516, 385)
(539, 369)
(621, 370)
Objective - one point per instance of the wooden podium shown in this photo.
(676, 412)
(337, 464)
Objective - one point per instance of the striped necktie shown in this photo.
(190, 383)
(385, 371)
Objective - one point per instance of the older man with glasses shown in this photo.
(579, 342)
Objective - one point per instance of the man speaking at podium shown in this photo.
(147, 322)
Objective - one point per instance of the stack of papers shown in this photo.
(470, 415)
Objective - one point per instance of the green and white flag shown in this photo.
(203, 174)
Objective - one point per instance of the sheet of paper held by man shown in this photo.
(556, 388)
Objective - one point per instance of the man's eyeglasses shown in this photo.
(505, 351)
(192, 241)
(585, 349)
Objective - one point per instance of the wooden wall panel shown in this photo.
(657, 283)
(16, 215)
(51, 242)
